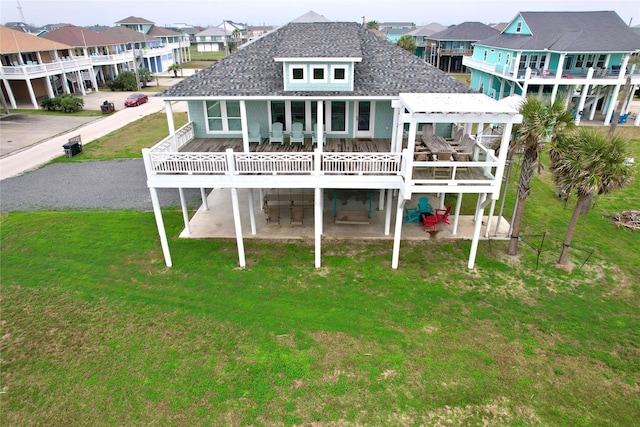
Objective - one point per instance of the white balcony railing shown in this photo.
(33, 69)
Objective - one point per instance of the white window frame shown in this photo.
(224, 117)
(518, 27)
(327, 117)
(305, 73)
(499, 57)
(339, 67)
(312, 76)
(484, 56)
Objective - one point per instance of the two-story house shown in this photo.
(34, 67)
(445, 49)
(359, 114)
(581, 56)
(155, 48)
(420, 35)
(108, 56)
(213, 39)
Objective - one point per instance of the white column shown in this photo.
(244, 126)
(592, 112)
(160, 224)
(456, 217)
(81, 82)
(583, 98)
(238, 226)
(32, 94)
(205, 202)
(252, 214)
(489, 218)
(12, 99)
(476, 230)
(317, 211)
(320, 126)
(65, 83)
(381, 200)
(387, 216)
(397, 233)
(608, 116)
(185, 211)
(48, 86)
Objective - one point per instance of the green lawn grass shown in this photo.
(96, 330)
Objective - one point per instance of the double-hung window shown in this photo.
(223, 116)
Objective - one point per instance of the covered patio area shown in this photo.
(215, 220)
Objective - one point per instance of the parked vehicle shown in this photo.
(136, 99)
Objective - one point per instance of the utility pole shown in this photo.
(21, 13)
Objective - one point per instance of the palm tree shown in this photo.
(588, 163)
(372, 25)
(407, 43)
(540, 123)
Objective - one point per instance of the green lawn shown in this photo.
(97, 331)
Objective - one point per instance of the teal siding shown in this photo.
(310, 85)
(511, 28)
(197, 116)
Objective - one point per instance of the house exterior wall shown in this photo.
(512, 28)
(309, 83)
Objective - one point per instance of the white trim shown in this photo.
(327, 117)
(335, 67)
(325, 71)
(224, 117)
(372, 112)
(305, 72)
(320, 59)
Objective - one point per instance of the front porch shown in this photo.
(215, 221)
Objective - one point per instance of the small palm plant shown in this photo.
(587, 163)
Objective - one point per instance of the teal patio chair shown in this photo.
(424, 206)
(276, 134)
(254, 133)
(314, 135)
(297, 134)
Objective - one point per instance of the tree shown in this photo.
(540, 123)
(174, 68)
(145, 76)
(126, 80)
(588, 163)
(407, 43)
(373, 25)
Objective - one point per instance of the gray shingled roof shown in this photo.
(385, 71)
(570, 32)
(467, 31)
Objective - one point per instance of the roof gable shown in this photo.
(127, 35)
(78, 36)
(467, 31)
(569, 32)
(12, 41)
(134, 20)
(385, 71)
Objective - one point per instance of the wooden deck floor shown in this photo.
(336, 145)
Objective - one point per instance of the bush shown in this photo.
(126, 80)
(66, 103)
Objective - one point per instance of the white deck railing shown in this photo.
(174, 142)
(361, 163)
(66, 65)
(273, 163)
(189, 163)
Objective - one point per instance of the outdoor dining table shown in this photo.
(437, 144)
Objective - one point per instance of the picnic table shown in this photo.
(440, 147)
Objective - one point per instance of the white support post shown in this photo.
(476, 230)
(252, 213)
(160, 224)
(456, 217)
(317, 211)
(387, 216)
(397, 234)
(205, 202)
(489, 218)
(381, 200)
(441, 201)
(583, 97)
(612, 104)
(172, 126)
(238, 227)
(12, 99)
(244, 126)
(185, 211)
(261, 196)
(32, 95)
(320, 125)
(592, 113)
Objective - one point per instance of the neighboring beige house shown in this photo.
(34, 67)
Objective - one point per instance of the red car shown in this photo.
(135, 100)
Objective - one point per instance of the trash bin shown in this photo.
(73, 147)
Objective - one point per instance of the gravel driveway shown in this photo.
(90, 185)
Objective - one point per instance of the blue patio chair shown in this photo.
(314, 135)
(276, 134)
(297, 134)
(413, 214)
(254, 133)
(623, 119)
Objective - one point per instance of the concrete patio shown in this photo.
(217, 221)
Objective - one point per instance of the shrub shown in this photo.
(126, 80)
(66, 103)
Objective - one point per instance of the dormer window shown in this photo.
(297, 73)
(339, 74)
(319, 74)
